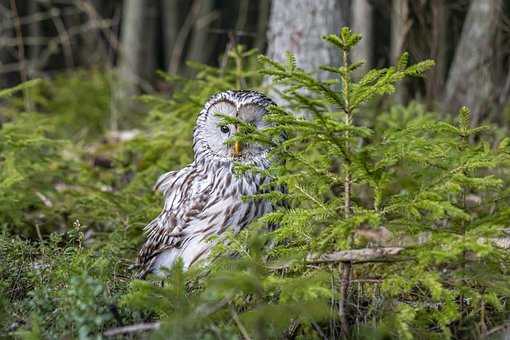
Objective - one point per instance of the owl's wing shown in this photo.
(162, 233)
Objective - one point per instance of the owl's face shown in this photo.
(211, 134)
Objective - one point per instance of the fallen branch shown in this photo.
(140, 327)
(382, 254)
(379, 254)
(365, 255)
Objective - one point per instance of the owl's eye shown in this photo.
(224, 129)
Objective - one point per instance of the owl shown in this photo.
(205, 198)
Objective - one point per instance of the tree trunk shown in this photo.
(7, 54)
(263, 16)
(242, 15)
(438, 47)
(361, 22)
(182, 36)
(137, 58)
(297, 28)
(199, 50)
(400, 26)
(92, 49)
(470, 80)
(344, 6)
(170, 27)
(34, 30)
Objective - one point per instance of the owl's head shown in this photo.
(211, 134)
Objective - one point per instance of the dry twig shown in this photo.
(137, 328)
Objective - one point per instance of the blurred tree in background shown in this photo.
(468, 40)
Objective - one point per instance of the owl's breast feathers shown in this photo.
(201, 200)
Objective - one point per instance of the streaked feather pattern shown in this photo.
(205, 198)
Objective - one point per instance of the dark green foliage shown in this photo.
(72, 212)
(62, 286)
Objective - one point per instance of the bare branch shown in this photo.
(140, 327)
(95, 17)
(379, 254)
(346, 271)
(240, 326)
(382, 254)
(365, 255)
(21, 54)
(54, 43)
(36, 17)
(65, 40)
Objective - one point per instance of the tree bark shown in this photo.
(182, 36)
(199, 49)
(34, 30)
(170, 27)
(362, 22)
(137, 59)
(7, 53)
(438, 48)
(242, 15)
(263, 16)
(400, 26)
(93, 51)
(297, 28)
(471, 80)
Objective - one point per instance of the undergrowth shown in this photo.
(74, 197)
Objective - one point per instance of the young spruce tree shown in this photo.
(422, 188)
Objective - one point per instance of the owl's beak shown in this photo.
(236, 150)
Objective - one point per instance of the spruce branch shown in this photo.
(21, 87)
